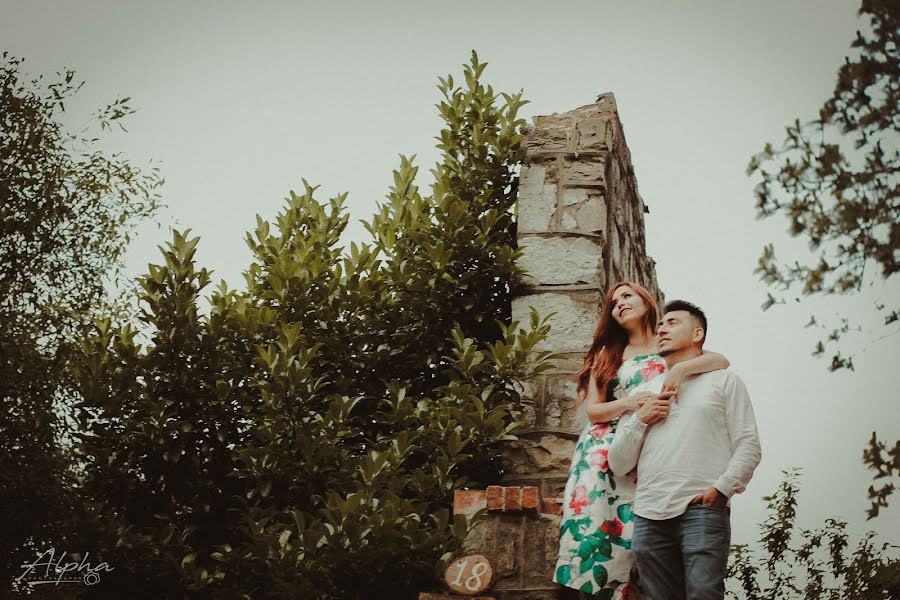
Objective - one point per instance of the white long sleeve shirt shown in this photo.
(708, 439)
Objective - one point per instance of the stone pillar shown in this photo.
(581, 228)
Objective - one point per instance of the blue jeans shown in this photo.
(685, 557)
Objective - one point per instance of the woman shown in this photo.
(595, 536)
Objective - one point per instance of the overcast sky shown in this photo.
(239, 101)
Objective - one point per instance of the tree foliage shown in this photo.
(835, 179)
(885, 463)
(66, 210)
(302, 438)
(810, 564)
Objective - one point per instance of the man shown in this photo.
(692, 454)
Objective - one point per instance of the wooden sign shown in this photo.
(469, 575)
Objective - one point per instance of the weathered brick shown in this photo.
(512, 499)
(552, 506)
(468, 502)
(531, 499)
(495, 498)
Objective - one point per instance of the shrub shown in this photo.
(302, 438)
(811, 564)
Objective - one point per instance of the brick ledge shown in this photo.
(498, 499)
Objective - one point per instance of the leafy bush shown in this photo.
(303, 438)
(814, 564)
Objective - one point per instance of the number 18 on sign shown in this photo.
(470, 574)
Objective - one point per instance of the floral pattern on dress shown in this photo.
(597, 522)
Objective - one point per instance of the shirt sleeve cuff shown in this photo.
(723, 484)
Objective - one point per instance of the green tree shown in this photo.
(885, 463)
(66, 211)
(815, 564)
(302, 438)
(835, 179)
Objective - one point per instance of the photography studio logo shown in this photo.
(48, 569)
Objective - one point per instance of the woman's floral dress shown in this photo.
(597, 523)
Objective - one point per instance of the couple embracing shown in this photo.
(671, 438)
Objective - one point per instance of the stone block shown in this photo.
(560, 260)
(555, 486)
(495, 498)
(512, 499)
(591, 216)
(499, 537)
(592, 134)
(531, 389)
(607, 102)
(526, 414)
(542, 540)
(561, 407)
(572, 327)
(570, 196)
(546, 139)
(481, 536)
(548, 454)
(536, 198)
(469, 502)
(531, 393)
(583, 210)
(554, 120)
(585, 170)
(588, 111)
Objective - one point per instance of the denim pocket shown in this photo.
(707, 526)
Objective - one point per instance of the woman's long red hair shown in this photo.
(604, 357)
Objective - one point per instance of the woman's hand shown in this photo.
(674, 379)
(637, 400)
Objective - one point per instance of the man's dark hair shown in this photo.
(693, 309)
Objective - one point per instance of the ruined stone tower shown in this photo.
(581, 228)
